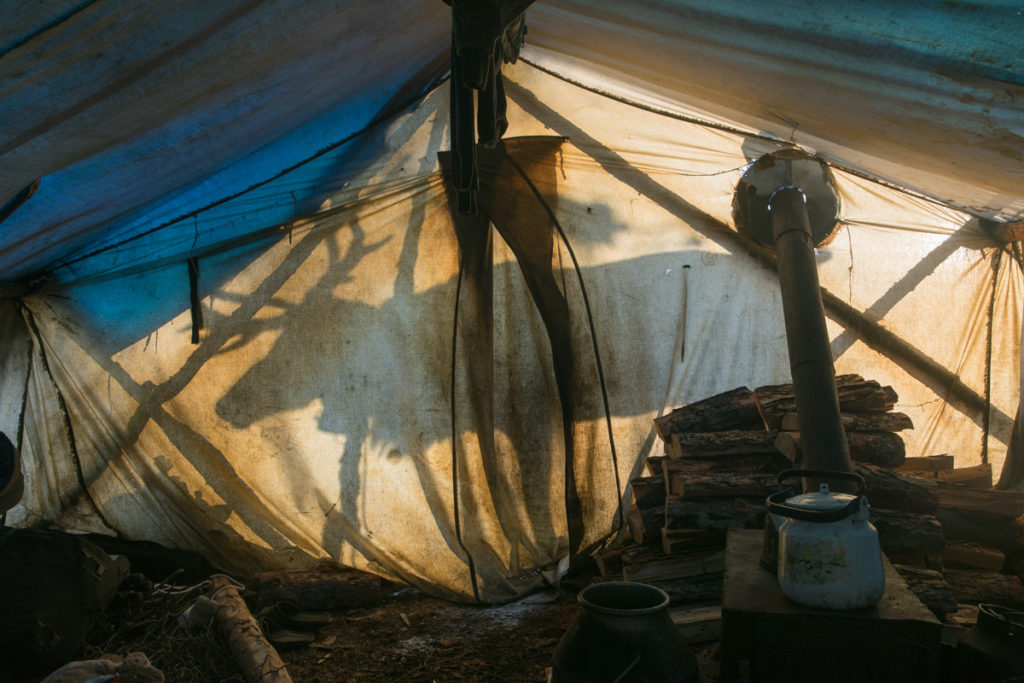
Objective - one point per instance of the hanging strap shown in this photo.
(193, 296)
(483, 36)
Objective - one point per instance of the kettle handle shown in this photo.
(776, 503)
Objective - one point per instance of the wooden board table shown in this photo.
(768, 637)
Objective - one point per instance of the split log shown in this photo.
(691, 540)
(693, 485)
(649, 491)
(326, 587)
(718, 444)
(877, 448)
(1015, 561)
(966, 555)
(858, 422)
(693, 589)
(764, 408)
(927, 463)
(788, 443)
(965, 616)
(909, 538)
(856, 395)
(894, 490)
(638, 564)
(645, 523)
(773, 462)
(735, 409)
(931, 589)
(608, 562)
(716, 514)
(257, 658)
(978, 476)
(698, 624)
(998, 504)
(976, 586)
(983, 516)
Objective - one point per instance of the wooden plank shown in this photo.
(990, 503)
(698, 624)
(967, 555)
(927, 463)
(983, 516)
(978, 476)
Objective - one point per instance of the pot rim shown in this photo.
(654, 599)
(1002, 617)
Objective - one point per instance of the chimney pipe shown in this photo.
(786, 200)
(822, 437)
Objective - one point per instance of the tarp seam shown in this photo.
(69, 431)
(986, 426)
(249, 238)
(826, 158)
(455, 460)
(593, 338)
(53, 23)
(652, 109)
(24, 397)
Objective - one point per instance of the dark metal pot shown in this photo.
(623, 633)
(994, 649)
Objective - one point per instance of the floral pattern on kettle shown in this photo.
(808, 564)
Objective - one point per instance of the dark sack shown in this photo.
(53, 588)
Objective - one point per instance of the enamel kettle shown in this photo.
(828, 553)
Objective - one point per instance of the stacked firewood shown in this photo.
(953, 539)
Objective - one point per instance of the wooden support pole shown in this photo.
(1003, 232)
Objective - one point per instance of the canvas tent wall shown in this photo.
(363, 392)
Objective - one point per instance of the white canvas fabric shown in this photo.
(364, 392)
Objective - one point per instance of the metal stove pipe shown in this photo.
(822, 437)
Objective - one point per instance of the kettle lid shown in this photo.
(820, 506)
(822, 499)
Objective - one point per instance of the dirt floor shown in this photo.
(406, 636)
(413, 637)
